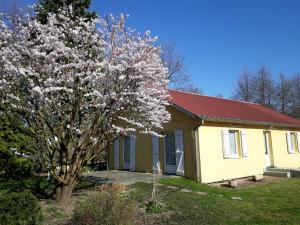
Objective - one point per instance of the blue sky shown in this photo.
(219, 38)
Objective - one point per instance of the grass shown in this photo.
(266, 204)
(273, 203)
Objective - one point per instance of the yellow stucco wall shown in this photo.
(214, 167)
(179, 121)
(281, 156)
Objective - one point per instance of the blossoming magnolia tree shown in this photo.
(81, 83)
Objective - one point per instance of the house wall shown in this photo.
(281, 156)
(214, 167)
(179, 121)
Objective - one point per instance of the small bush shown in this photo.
(19, 168)
(104, 208)
(114, 187)
(20, 208)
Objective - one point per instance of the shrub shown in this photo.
(114, 187)
(20, 208)
(104, 208)
(42, 187)
(39, 186)
(19, 168)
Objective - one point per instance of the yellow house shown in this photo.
(211, 139)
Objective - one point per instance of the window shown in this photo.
(294, 141)
(233, 143)
(170, 149)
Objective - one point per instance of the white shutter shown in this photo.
(116, 153)
(132, 153)
(225, 140)
(179, 149)
(155, 154)
(244, 144)
(289, 142)
(298, 141)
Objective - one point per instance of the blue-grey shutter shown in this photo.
(155, 154)
(132, 153)
(116, 153)
(179, 149)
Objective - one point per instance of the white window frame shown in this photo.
(227, 153)
(295, 141)
(236, 137)
(292, 142)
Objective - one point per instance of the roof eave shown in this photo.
(248, 122)
(184, 110)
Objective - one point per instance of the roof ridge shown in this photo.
(208, 96)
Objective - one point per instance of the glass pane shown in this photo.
(266, 143)
(294, 140)
(170, 149)
(127, 149)
(232, 143)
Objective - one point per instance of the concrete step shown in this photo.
(295, 172)
(277, 174)
(275, 169)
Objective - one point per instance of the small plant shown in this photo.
(87, 169)
(20, 208)
(115, 187)
(109, 208)
(154, 205)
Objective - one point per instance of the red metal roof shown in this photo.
(226, 109)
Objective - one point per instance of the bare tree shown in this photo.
(244, 87)
(220, 95)
(174, 62)
(295, 96)
(191, 88)
(264, 87)
(177, 74)
(283, 94)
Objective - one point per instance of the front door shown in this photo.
(126, 152)
(268, 147)
(170, 153)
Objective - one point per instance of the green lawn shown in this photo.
(273, 203)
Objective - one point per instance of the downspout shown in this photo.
(197, 149)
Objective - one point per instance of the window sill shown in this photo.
(233, 157)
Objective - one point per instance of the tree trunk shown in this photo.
(64, 193)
